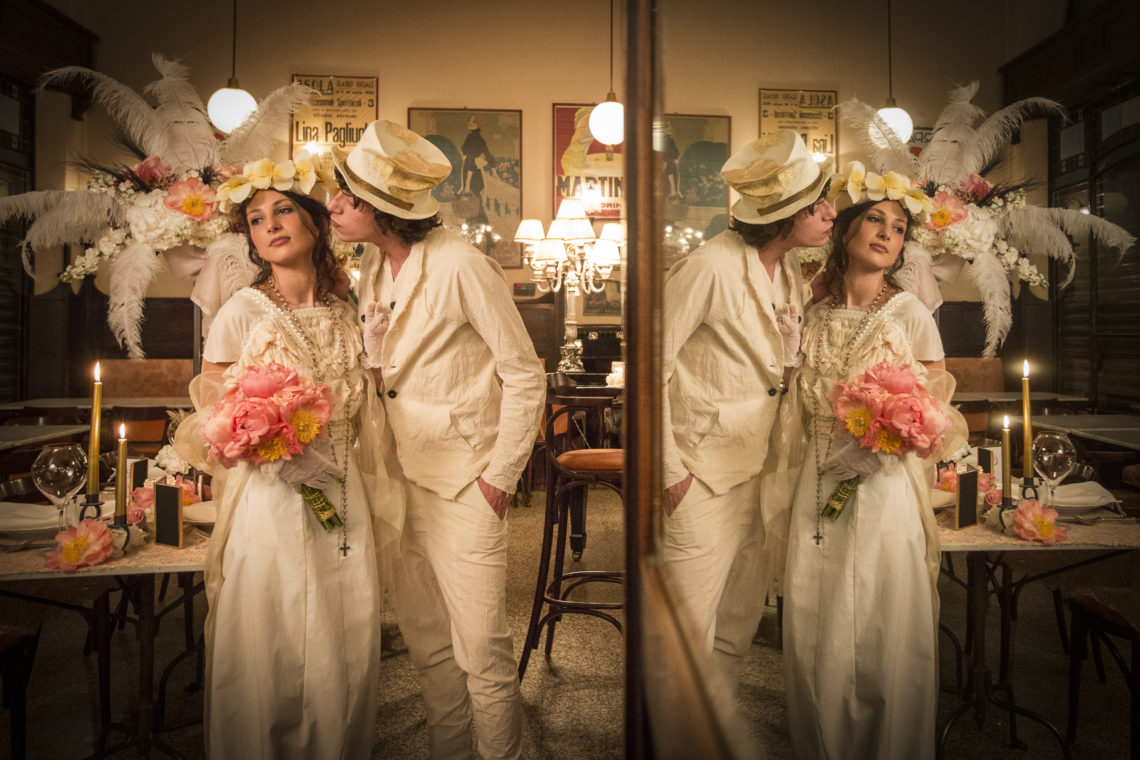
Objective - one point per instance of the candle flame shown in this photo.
(122, 430)
(1025, 368)
(96, 371)
(1005, 423)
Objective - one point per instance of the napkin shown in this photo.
(1088, 494)
(17, 518)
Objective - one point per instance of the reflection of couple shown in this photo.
(742, 488)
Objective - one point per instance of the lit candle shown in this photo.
(93, 444)
(1006, 489)
(1026, 413)
(121, 477)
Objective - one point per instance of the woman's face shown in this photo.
(875, 239)
(282, 232)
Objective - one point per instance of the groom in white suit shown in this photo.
(463, 391)
(733, 309)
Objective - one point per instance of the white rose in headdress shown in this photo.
(149, 219)
(977, 231)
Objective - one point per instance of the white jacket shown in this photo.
(723, 363)
(463, 387)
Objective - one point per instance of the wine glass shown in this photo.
(59, 472)
(1054, 457)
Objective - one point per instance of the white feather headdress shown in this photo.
(992, 228)
(129, 215)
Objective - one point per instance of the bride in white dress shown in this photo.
(293, 633)
(860, 595)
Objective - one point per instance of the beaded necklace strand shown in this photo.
(302, 337)
(820, 433)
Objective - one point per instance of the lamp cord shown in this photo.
(233, 40)
(611, 46)
(890, 73)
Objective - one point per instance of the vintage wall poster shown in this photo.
(695, 148)
(337, 115)
(482, 197)
(583, 167)
(811, 113)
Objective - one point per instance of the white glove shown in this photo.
(376, 319)
(849, 459)
(314, 467)
(788, 321)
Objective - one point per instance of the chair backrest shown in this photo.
(975, 373)
(146, 426)
(132, 378)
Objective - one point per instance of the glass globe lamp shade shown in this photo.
(607, 121)
(229, 107)
(897, 120)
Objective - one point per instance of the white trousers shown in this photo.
(713, 553)
(451, 591)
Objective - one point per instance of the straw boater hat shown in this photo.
(775, 176)
(394, 169)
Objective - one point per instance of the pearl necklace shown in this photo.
(821, 432)
(303, 338)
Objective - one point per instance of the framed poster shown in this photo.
(605, 303)
(695, 148)
(811, 113)
(337, 115)
(583, 167)
(482, 197)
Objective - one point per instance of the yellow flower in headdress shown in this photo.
(307, 172)
(856, 178)
(234, 190)
(876, 187)
(260, 173)
(896, 186)
(283, 176)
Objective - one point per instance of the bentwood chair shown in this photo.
(1097, 615)
(571, 466)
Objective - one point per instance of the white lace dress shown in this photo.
(294, 640)
(860, 620)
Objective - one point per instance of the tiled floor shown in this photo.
(573, 702)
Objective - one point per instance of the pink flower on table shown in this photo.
(1035, 522)
(193, 198)
(143, 497)
(152, 171)
(189, 492)
(135, 514)
(993, 496)
(948, 210)
(948, 480)
(86, 544)
(892, 378)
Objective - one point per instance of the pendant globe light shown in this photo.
(896, 119)
(607, 120)
(230, 106)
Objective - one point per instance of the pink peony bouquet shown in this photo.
(1033, 521)
(83, 545)
(272, 414)
(886, 411)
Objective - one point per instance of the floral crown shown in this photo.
(860, 185)
(298, 175)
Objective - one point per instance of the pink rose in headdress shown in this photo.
(948, 210)
(1035, 522)
(976, 188)
(83, 545)
(152, 171)
(192, 198)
